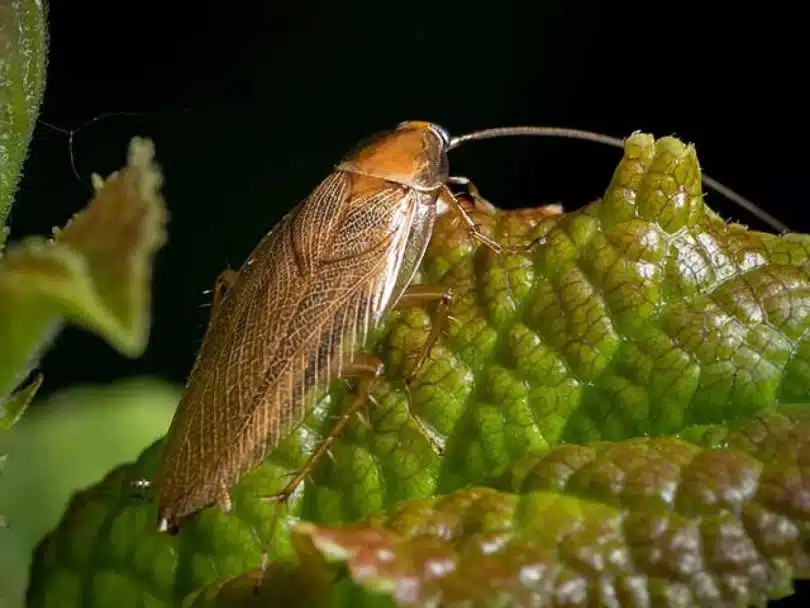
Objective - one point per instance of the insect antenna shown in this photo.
(615, 142)
(71, 133)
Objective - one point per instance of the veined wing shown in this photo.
(302, 307)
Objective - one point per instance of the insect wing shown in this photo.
(302, 306)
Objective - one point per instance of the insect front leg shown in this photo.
(479, 201)
(492, 244)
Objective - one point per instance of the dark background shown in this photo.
(251, 103)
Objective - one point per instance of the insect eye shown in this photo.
(443, 133)
(437, 129)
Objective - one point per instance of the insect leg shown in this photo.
(484, 206)
(417, 296)
(496, 247)
(367, 369)
(224, 281)
(479, 201)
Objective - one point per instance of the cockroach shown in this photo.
(298, 312)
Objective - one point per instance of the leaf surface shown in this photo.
(642, 522)
(643, 315)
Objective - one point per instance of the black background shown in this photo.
(251, 103)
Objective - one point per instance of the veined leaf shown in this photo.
(641, 522)
(642, 315)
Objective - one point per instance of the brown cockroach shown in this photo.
(298, 312)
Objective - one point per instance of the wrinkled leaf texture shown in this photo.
(558, 390)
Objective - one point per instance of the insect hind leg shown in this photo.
(366, 369)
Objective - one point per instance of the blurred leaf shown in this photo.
(23, 46)
(3, 458)
(95, 272)
(282, 584)
(61, 445)
(642, 315)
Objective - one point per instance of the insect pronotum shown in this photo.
(298, 312)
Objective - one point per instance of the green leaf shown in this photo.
(64, 443)
(95, 272)
(11, 411)
(642, 522)
(645, 522)
(23, 42)
(3, 458)
(282, 584)
(642, 315)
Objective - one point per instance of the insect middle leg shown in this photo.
(367, 368)
(418, 296)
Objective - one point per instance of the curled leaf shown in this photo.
(23, 42)
(95, 272)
